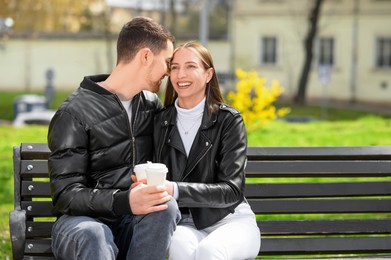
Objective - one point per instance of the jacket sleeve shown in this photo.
(227, 170)
(68, 169)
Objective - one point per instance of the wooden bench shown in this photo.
(311, 201)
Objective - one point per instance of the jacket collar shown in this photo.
(90, 83)
(208, 119)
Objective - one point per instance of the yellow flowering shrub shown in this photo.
(255, 101)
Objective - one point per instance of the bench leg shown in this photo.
(18, 232)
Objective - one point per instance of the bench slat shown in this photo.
(318, 189)
(319, 153)
(38, 229)
(31, 168)
(42, 246)
(31, 151)
(318, 168)
(37, 189)
(345, 226)
(326, 245)
(38, 258)
(38, 208)
(292, 206)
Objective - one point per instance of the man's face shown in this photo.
(159, 68)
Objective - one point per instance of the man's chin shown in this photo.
(155, 88)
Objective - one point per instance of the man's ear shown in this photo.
(145, 56)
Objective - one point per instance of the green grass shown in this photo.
(367, 130)
(345, 128)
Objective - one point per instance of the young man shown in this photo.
(96, 137)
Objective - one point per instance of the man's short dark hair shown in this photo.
(141, 32)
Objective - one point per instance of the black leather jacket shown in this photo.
(211, 179)
(94, 147)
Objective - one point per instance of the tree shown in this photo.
(48, 16)
(308, 47)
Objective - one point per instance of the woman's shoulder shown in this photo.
(229, 109)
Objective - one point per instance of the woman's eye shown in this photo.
(174, 67)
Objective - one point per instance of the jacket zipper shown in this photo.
(132, 128)
(187, 174)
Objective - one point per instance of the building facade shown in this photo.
(352, 50)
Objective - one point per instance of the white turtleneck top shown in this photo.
(188, 123)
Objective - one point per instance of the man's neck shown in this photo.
(118, 83)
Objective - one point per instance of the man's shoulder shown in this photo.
(152, 98)
(150, 95)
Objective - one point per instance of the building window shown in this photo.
(383, 53)
(326, 51)
(269, 51)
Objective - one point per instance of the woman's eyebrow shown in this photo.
(187, 62)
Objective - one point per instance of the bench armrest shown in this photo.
(17, 224)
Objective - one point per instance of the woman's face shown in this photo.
(189, 77)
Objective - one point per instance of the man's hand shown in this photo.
(170, 187)
(137, 182)
(145, 199)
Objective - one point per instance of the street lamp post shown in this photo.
(6, 25)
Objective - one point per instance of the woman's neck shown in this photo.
(188, 103)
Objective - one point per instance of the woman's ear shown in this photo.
(209, 75)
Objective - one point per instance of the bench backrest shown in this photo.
(32, 219)
(310, 200)
(321, 200)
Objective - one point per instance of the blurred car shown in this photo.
(31, 109)
(35, 117)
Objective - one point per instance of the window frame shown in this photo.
(269, 55)
(326, 51)
(379, 56)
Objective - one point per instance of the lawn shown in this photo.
(345, 128)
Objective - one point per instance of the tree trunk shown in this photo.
(308, 47)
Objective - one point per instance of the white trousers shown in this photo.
(236, 237)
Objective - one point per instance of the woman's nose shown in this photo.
(181, 72)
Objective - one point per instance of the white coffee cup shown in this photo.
(156, 174)
(140, 171)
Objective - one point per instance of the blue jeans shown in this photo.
(136, 237)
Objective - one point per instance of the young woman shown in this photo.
(203, 143)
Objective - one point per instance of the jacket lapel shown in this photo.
(200, 148)
(174, 140)
(202, 142)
